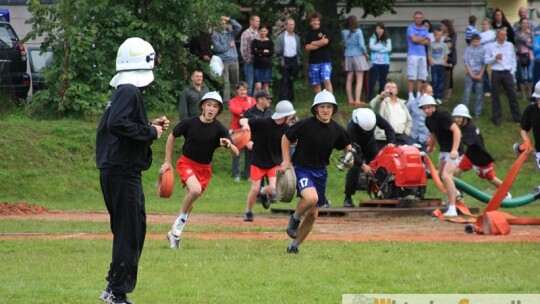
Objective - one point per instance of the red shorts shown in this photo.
(258, 173)
(485, 172)
(186, 168)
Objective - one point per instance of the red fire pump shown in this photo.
(399, 173)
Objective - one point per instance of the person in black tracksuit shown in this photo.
(123, 140)
(361, 129)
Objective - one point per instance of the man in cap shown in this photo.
(123, 140)
(266, 134)
(203, 134)
(443, 130)
(316, 137)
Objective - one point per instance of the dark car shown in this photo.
(13, 76)
(38, 61)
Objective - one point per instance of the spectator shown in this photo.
(437, 60)
(476, 156)
(524, 47)
(536, 69)
(531, 120)
(251, 33)
(123, 150)
(318, 45)
(502, 58)
(288, 50)
(266, 134)
(394, 110)
(317, 137)
(380, 45)
(361, 129)
(443, 130)
(225, 48)
(523, 13)
(419, 131)
(499, 21)
(427, 24)
(473, 58)
(417, 39)
(238, 106)
(487, 36)
(470, 30)
(202, 136)
(356, 60)
(450, 38)
(190, 96)
(262, 49)
(201, 46)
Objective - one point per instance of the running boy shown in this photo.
(203, 134)
(266, 134)
(476, 156)
(443, 130)
(317, 136)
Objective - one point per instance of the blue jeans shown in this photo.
(248, 75)
(377, 72)
(437, 81)
(487, 84)
(478, 92)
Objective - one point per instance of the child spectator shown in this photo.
(471, 29)
(476, 157)
(437, 56)
(473, 58)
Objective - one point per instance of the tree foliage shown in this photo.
(85, 35)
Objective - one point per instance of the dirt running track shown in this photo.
(342, 229)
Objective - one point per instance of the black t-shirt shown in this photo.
(439, 123)
(366, 139)
(316, 140)
(201, 139)
(255, 112)
(476, 152)
(322, 54)
(124, 134)
(531, 119)
(262, 60)
(266, 136)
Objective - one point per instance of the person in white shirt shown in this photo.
(502, 58)
(487, 36)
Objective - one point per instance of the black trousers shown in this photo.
(289, 70)
(505, 80)
(124, 199)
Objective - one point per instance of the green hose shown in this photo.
(507, 203)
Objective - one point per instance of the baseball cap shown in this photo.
(264, 94)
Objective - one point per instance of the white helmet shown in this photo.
(426, 100)
(365, 118)
(536, 93)
(214, 96)
(324, 97)
(284, 108)
(461, 110)
(134, 63)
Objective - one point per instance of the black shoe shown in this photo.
(273, 198)
(326, 204)
(292, 227)
(265, 201)
(347, 203)
(248, 216)
(292, 249)
(109, 297)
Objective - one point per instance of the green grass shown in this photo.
(239, 271)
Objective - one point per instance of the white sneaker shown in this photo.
(450, 213)
(508, 196)
(174, 240)
(487, 94)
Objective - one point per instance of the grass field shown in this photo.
(51, 163)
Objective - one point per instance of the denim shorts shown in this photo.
(262, 75)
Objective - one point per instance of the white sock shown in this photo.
(418, 95)
(411, 95)
(451, 208)
(263, 191)
(180, 222)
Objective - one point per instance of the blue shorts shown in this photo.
(311, 178)
(319, 72)
(262, 75)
